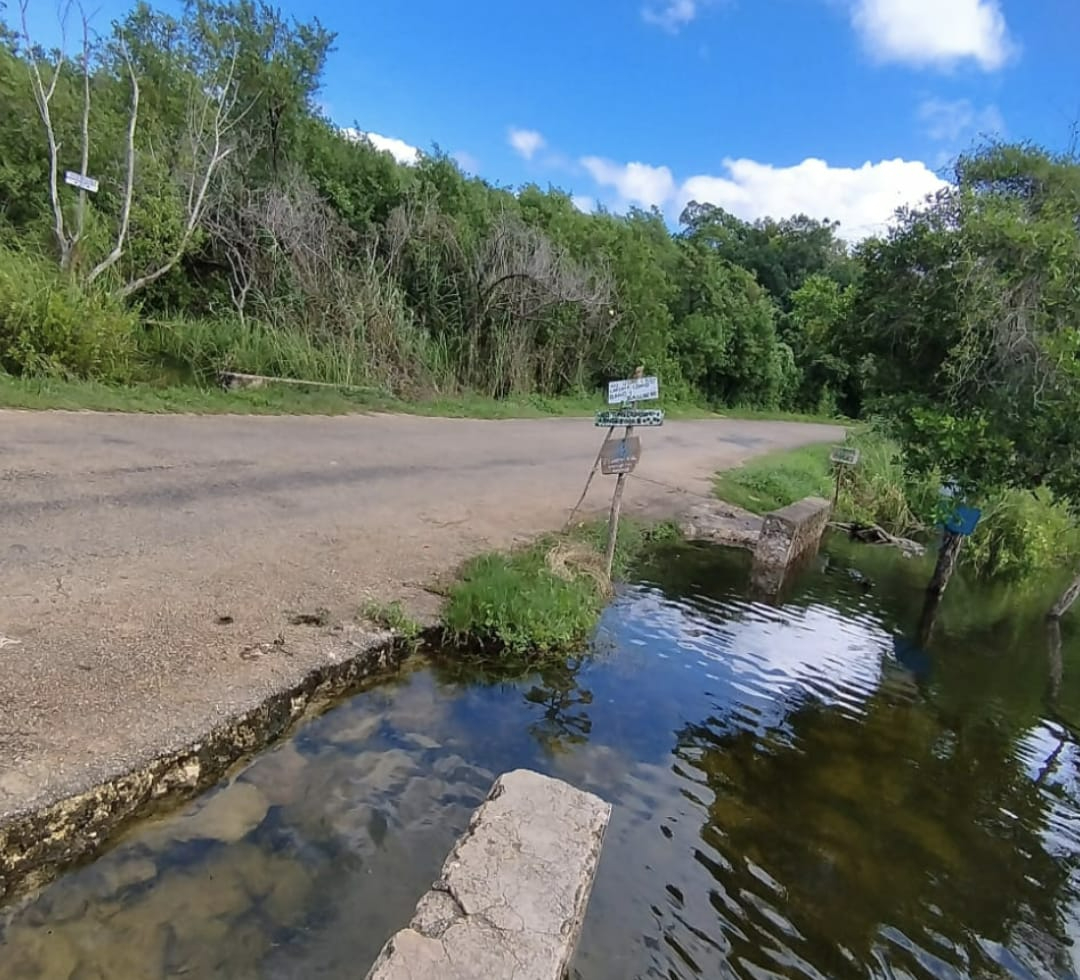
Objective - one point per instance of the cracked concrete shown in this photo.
(512, 896)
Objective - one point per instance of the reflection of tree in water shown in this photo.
(563, 724)
(888, 819)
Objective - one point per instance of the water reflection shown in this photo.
(802, 790)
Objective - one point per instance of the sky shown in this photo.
(840, 109)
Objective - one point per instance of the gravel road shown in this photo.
(144, 556)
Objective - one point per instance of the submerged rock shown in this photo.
(229, 815)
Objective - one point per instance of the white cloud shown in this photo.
(400, 150)
(959, 121)
(527, 142)
(671, 15)
(636, 183)
(467, 162)
(934, 32)
(584, 203)
(863, 199)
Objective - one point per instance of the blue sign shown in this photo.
(964, 520)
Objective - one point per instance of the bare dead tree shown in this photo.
(129, 168)
(213, 114)
(43, 94)
(522, 279)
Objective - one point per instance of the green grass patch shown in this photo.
(161, 395)
(392, 616)
(777, 479)
(543, 599)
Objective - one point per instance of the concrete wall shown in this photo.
(512, 895)
(791, 532)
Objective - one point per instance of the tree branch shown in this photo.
(42, 98)
(129, 179)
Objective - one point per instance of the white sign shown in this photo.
(81, 181)
(633, 390)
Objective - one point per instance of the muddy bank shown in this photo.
(38, 844)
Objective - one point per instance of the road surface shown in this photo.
(144, 556)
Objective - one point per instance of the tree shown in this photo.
(968, 312)
(202, 147)
(829, 378)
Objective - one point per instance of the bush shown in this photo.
(49, 325)
(546, 598)
(518, 604)
(1022, 534)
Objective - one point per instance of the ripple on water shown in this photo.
(790, 801)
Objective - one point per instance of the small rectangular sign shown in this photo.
(81, 181)
(633, 390)
(620, 455)
(629, 416)
(964, 520)
(844, 455)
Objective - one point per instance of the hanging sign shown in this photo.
(81, 181)
(620, 455)
(633, 390)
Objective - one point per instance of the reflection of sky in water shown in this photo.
(791, 800)
(758, 660)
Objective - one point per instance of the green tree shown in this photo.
(968, 313)
(814, 329)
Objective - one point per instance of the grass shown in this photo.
(876, 491)
(543, 599)
(159, 397)
(777, 479)
(392, 616)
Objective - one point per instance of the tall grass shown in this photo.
(49, 325)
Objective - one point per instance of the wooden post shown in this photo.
(613, 518)
(951, 544)
(616, 499)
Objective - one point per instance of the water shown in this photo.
(799, 791)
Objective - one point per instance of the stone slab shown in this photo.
(789, 533)
(512, 895)
(721, 523)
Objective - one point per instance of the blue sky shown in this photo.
(839, 108)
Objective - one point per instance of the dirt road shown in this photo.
(142, 558)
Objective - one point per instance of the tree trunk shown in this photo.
(928, 618)
(946, 563)
(1057, 664)
(1068, 597)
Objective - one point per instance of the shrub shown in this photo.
(49, 325)
(546, 598)
(1022, 534)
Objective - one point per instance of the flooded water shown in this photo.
(799, 791)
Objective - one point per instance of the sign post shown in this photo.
(842, 458)
(619, 455)
(626, 394)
